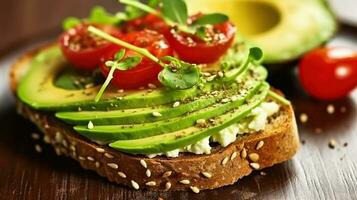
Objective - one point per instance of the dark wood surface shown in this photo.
(316, 172)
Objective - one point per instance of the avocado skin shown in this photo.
(174, 140)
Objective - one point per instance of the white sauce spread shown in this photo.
(256, 121)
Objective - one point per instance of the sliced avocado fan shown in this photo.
(146, 121)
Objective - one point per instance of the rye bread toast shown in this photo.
(224, 166)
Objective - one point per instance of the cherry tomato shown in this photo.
(193, 49)
(149, 21)
(147, 71)
(83, 49)
(329, 73)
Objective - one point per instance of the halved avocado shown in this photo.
(284, 29)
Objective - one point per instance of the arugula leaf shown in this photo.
(175, 10)
(178, 74)
(211, 19)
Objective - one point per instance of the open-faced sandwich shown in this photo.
(153, 98)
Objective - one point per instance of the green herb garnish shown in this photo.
(175, 14)
(119, 63)
(176, 74)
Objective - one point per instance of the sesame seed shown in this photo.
(206, 74)
(330, 109)
(120, 91)
(148, 173)
(207, 174)
(304, 118)
(38, 148)
(47, 126)
(254, 157)
(167, 185)
(135, 185)
(58, 151)
(141, 88)
(151, 183)
(263, 173)
(225, 100)
(195, 189)
(58, 137)
(47, 139)
(35, 136)
(255, 166)
(121, 174)
(259, 145)
(234, 98)
(81, 158)
(152, 86)
(176, 104)
(65, 143)
(201, 122)
(108, 155)
(185, 182)
(90, 125)
(79, 109)
(243, 153)
(211, 78)
(112, 165)
(225, 161)
(220, 74)
(332, 143)
(90, 158)
(167, 174)
(100, 150)
(234, 155)
(97, 164)
(143, 163)
(156, 114)
(72, 147)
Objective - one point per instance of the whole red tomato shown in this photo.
(329, 73)
(83, 49)
(147, 71)
(193, 49)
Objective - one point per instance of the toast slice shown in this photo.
(224, 166)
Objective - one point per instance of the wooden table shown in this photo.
(316, 172)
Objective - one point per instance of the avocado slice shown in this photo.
(284, 29)
(40, 89)
(179, 139)
(110, 133)
(144, 115)
(37, 89)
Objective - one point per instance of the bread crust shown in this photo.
(224, 166)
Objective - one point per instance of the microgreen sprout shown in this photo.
(175, 14)
(118, 63)
(176, 74)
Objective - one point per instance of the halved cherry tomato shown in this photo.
(83, 49)
(147, 71)
(149, 21)
(193, 49)
(329, 73)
